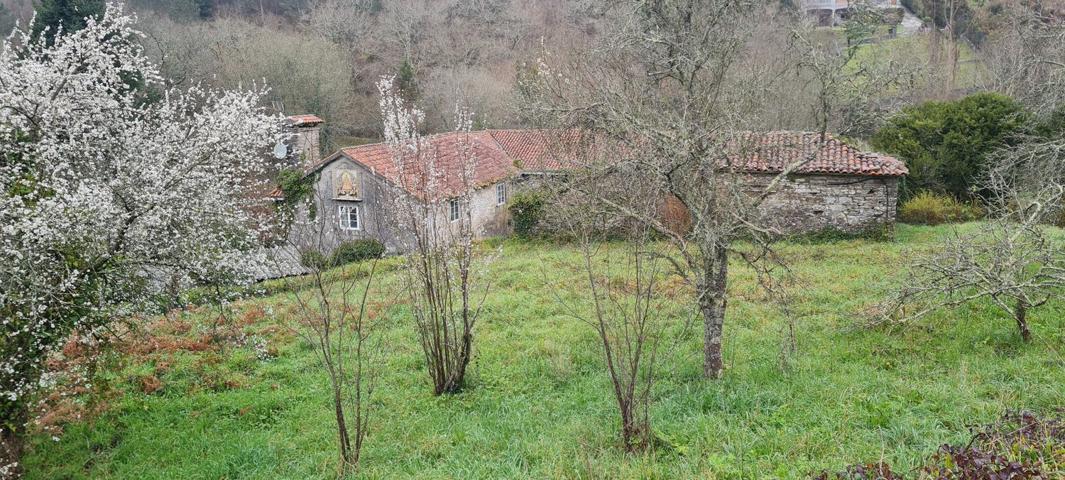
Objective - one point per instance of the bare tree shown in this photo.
(628, 304)
(333, 317)
(432, 201)
(838, 89)
(306, 74)
(1025, 57)
(668, 85)
(344, 22)
(1013, 260)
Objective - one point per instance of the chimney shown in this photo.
(305, 139)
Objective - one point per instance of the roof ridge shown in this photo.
(491, 134)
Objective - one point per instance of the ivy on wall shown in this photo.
(296, 188)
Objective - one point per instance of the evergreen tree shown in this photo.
(206, 8)
(68, 15)
(946, 144)
(407, 82)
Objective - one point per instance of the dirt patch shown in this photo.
(1018, 446)
(150, 384)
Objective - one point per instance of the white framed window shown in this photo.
(501, 194)
(453, 209)
(349, 217)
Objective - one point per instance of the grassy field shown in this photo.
(539, 406)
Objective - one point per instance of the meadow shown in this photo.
(538, 403)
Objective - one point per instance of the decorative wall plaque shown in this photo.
(346, 185)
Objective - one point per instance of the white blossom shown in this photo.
(103, 189)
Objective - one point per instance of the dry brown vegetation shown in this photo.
(1020, 445)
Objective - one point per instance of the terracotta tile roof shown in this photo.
(304, 120)
(490, 163)
(535, 150)
(771, 152)
(499, 154)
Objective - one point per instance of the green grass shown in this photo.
(907, 49)
(538, 405)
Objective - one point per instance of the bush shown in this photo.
(946, 144)
(527, 211)
(357, 251)
(928, 208)
(314, 259)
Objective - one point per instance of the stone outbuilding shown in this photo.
(841, 188)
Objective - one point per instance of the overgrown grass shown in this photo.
(971, 71)
(539, 406)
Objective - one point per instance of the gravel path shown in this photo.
(910, 23)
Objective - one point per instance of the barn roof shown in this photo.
(771, 152)
(753, 152)
(499, 154)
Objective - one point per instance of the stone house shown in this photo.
(841, 188)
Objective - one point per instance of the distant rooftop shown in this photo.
(837, 4)
(304, 120)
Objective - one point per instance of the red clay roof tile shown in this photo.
(306, 120)
(451, 152)
(771, 152)
(498, 154)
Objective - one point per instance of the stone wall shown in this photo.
(803, 204)
(379, 218)
(374, 202)
(306, 145)
(812, 203)
(490, 219)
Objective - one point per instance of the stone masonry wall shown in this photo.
(811, 203)
(378, 217)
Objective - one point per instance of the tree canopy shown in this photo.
(103, 196)
(64, 15)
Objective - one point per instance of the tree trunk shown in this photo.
(628, 436)
(342, 430)
(12, 443)
(712, 304)
(1021, 314)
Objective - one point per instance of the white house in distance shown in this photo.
(831, 12)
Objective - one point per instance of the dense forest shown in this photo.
(324, 56)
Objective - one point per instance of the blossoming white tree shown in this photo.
(101, 190)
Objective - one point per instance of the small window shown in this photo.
(453, 207)
(349, 217)
(501, 194)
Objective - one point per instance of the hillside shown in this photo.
(539, 403)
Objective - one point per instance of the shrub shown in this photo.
(527, 211)
(946, 144)
(357, 251)
(930, 208)
(314, 259)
